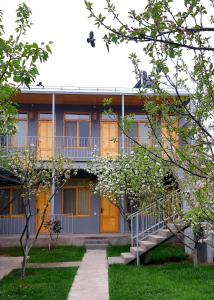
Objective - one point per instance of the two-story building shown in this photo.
(72, 123)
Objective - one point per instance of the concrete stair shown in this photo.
(149, 242)
(95, 243)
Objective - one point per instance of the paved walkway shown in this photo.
(91, 281)
(7, 264)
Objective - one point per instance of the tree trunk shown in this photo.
(195, 257)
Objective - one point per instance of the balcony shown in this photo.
(78, 149)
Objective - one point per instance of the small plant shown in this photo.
(54, 228)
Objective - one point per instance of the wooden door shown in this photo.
(41, 202)
(109, 131)
(109, 217)
(45, 139)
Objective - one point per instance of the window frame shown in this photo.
(138, 129)
(77, 121)
(10, 215)
(77, 187)
(14, 137)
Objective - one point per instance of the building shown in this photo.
(72, 123)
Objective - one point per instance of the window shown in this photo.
(10, 202)
(77, 130)
(140, 130)
(76, 201)
(20, 138)
(109, 117)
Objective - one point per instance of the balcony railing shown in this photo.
(15, 224)
(78, 149)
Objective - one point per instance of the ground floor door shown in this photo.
(42, 199)
(109, 217)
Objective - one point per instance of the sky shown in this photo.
(74, 62)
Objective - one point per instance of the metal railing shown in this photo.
(156, 216)
(13, 224)
(81, 148)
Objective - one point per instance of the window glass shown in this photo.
(4, 201)
(70, 134)
(84, 134)
(22, 116)
(144, 133)
(45, 116)
(69, 205)
(77, 117)
(140, 118)
(21, 134)
(106, 117)
(17, 203)
(133, 131)
(83, 201)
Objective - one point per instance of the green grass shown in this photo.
(161, 254)
(40, 255)
(117, 250)
(176, 281)
(41, 284)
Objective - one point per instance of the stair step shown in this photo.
(95, 246)
(116, 260)
(146, 245)
(134, 251)
(155, 238)
(164, 232)
(96, 241)
(127, 257)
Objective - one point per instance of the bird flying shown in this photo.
(91, 39)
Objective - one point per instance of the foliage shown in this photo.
(36, 177)
(135, 178)
(178, 43)
(40, 284)
(18, 65)
(54, 229)
(169, 281)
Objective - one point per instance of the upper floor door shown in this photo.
(109, 135)
(45, 136)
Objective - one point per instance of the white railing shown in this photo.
(156, 216)
(81, 148)
(12, 224)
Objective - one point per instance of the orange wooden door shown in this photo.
(109, 217)
(108, 144)
(41, 202)
(170, 139)
(45, 139)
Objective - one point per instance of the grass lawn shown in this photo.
(41, 284)
(40, 255)
(161, 254)
(164, 282)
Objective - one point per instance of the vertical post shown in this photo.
(53, 153)
(137, 229)
(123, 115)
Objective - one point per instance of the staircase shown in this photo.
(153, 226)
(96, 243)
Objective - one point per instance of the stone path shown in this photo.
(7, 264)
(91, 281)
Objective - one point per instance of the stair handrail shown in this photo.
(142, 213)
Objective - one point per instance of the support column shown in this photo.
(123, 223)
(53, 153)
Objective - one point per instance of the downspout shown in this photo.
(123, 222)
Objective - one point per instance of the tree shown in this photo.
(129, 181)
(178, 44)
(36, 177)
(18, 65)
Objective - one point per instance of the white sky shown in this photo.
(74, 62)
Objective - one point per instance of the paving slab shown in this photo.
(115, 260)
(7, 264)
(91, 280)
